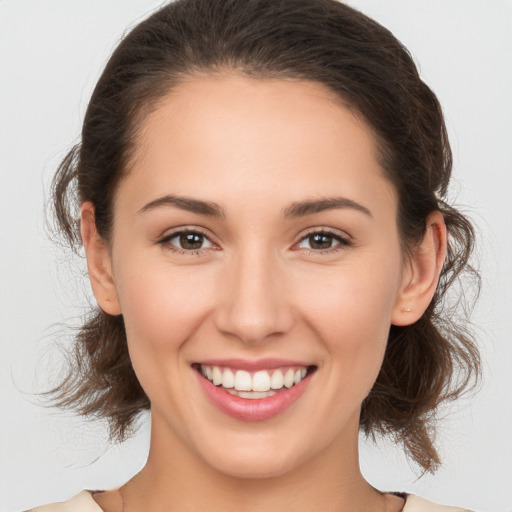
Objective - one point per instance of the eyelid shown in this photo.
(326, 229)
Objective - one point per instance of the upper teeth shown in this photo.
(262, 380)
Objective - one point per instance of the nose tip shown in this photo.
(251, 330)
(254, 306)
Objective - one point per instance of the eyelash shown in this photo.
(343, 241)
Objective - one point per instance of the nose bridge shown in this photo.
(254, 304)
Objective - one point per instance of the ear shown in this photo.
(421, 274)
(99, 262)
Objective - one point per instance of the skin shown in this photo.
(257, 288)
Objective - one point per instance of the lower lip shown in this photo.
(252, 409)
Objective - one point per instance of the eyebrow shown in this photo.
(297, 209)
(186, 203)
(302, 208)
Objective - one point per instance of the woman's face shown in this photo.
(255, 241)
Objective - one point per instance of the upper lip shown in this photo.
(268, 363)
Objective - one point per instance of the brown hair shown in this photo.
(372, 73)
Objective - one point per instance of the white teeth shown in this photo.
(243, 381)
(288, 378)
(216, 376)
(276, 381)
(258, 385)
(261, 381)
(251, 394)
(228, 379)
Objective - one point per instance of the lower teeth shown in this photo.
(250, 394)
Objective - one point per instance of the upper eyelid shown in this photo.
(205, 232)
(170, 233)
(326, 230)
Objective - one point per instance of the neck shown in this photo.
(177, 479)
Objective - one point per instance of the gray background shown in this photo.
(51, 54)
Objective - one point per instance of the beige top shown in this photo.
(84, 502)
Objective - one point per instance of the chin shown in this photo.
(255, 468)
(255, 459)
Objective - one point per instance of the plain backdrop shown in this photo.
(51, 54)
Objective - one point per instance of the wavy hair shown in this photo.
(369, 70)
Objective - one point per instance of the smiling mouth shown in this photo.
(254, 385)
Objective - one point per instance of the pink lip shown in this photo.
(253, 366)
(252, 409)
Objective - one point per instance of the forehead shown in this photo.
(220, 136)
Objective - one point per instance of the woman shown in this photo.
(261, 189)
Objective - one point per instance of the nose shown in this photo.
(253, 301)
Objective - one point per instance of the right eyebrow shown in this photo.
(303, 208)
(186, 203)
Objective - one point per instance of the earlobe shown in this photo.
(421, 276)
(99, 263)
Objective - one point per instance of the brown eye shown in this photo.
(191, 241)
(323, 241)
(320, 241)
(187, 241)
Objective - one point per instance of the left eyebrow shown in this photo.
(302, 208)
(186, 203)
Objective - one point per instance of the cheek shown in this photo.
(351, 314)
(161, 308)
(352, 298)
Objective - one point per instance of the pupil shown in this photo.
(191, 241)
(320, 241)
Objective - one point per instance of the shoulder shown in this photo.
(417, 504)
(82, 502)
